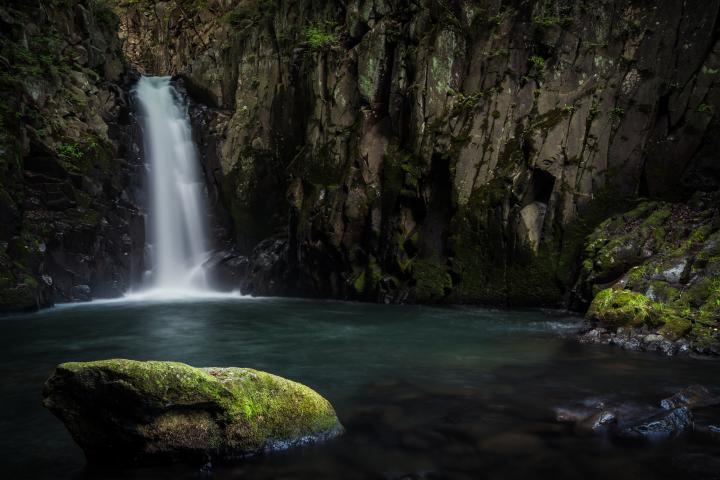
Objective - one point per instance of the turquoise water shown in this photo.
(423, 392)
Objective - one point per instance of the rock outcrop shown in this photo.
(130, 412)
(70, 224)
(654, 273)
(436, 151)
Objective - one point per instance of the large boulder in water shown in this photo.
(129, 412)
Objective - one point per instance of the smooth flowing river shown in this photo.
(424, 393)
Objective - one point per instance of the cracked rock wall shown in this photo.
(437, 150)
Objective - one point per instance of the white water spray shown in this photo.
(177, 226)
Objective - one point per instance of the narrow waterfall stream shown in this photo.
(178, 241)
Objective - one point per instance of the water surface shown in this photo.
(423, 392)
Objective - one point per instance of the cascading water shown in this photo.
(178, 246)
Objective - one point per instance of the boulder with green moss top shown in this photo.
(132, 412)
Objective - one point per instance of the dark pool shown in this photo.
(423, 392)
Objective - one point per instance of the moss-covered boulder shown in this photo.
(618, 308)
(131, 412)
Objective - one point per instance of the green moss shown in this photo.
(163, 383)
(552, 21)
(432, 281)
(617, 112)
(359, 284)
(269, 407)
(657, 218)
(618, 308)
(674, 325)
(255, 410)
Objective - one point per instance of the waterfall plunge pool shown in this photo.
(423, 392)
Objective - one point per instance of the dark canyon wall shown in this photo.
(385, 150)
(437, 151)
(70, 227)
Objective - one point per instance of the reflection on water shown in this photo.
(423, 392)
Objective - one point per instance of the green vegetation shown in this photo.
(432, 279)
(70, 151)
(617, 112)
(322, 36)
(468, 102)
(42, 57)
(649, 251)
(551, 21)
(619, 308)
(538, 62)
(705, 108)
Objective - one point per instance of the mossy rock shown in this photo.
(132, 412)
(618, 308)
(675, 325)
(432, 280)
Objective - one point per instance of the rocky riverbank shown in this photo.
(654, 278)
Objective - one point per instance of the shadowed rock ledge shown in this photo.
(130, 412)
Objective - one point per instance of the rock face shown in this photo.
(436, 151)
(70, 225)
(654, 272)
(129, 412)
(386, 150)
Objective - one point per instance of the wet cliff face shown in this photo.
(437, 150)
(70, 228)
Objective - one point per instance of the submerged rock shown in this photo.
(687, 410)
(129, 412)
(663, 426)
(694, 396)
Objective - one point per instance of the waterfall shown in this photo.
(178, 243)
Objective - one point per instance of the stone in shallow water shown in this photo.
(694, 396)
(663, 426)
(130, 412)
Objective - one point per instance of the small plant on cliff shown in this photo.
(617, 112)
(321, 36)
(70, 151)
(538, 62)
(705, 108)
(545, 21)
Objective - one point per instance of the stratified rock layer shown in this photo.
(129, 412)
